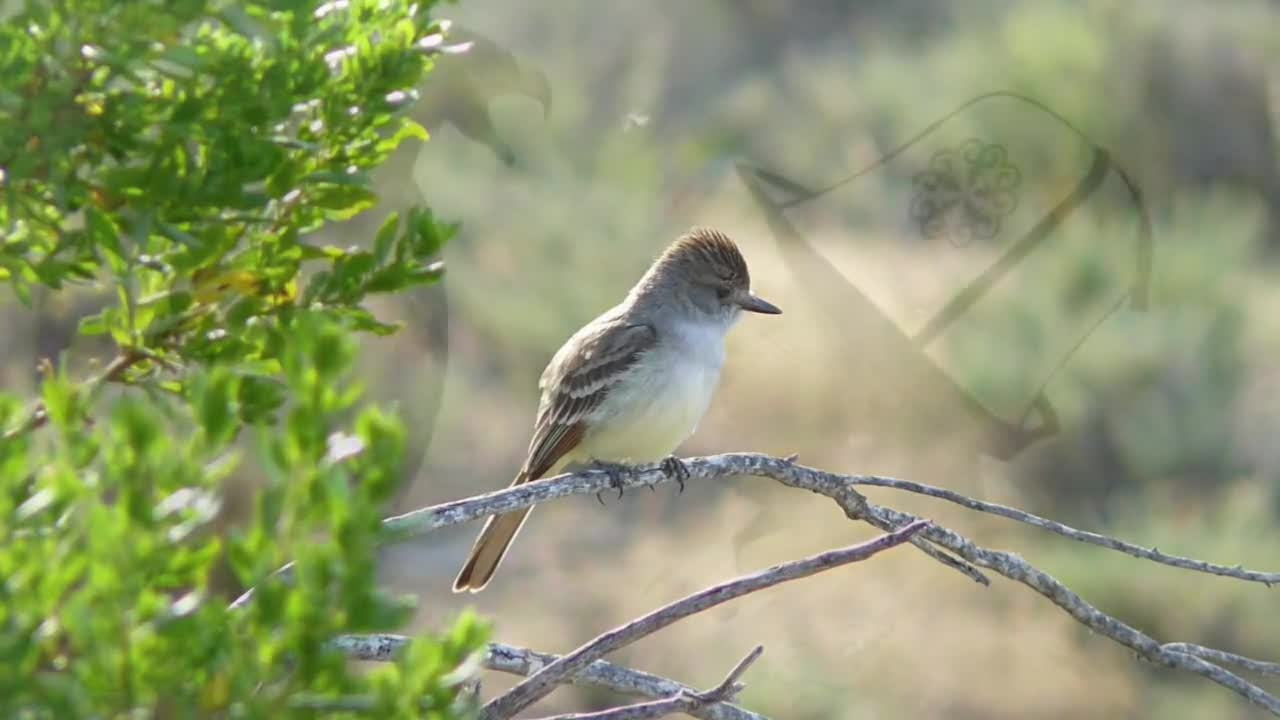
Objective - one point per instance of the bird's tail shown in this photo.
(491, 547)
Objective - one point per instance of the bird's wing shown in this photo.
(577, 381)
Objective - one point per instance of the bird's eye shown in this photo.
(722, 293)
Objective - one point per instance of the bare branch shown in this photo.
(938, 554)
(521, 661)
(379, 647)
(419, 522)
(855, 507)
(730, 682)
(541, 683)
(839, 488)
(944, 542)
(1224, 658)
(1015, 568)
(413, 524)
(685, 702)
(638, 711)
(1153, 554)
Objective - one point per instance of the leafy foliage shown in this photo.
(189, 162)
(184, 155)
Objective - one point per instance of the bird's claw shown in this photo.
(614, 471)
(674, 468)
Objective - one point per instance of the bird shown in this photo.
(631, 385)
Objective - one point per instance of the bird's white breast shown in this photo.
(662, 399)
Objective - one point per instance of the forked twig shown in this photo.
(543, 682)
(501, 657)
(684, 702)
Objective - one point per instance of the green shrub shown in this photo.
(182, 157)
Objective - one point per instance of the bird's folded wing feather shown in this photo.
(577, 381)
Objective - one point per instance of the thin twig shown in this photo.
(835, 485)
(726, 686)
(1223, 657)
(855, 507)
(513, 660)
(1152, 554)
(540, 684)
(114, 370)
(685, 702)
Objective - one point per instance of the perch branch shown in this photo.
(834, 485)
(544, 681)
(524, 662)
(685, 702)
(413, 524)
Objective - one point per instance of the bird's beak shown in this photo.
(753, 303)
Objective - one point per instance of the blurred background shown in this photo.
(1064, 297)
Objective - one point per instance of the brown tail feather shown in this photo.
(490, 548)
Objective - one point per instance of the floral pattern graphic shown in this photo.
(966, 193)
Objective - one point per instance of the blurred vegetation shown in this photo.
(170, 165)
(1167, 412)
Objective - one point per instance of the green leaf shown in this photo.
(382, 242)
(178, 235)
(259, 397)
(343, 201)
(364, 321)
(407, 129)
(213, 396)
(60, 400)
(95, 324)
(243, 561)
(106, 236)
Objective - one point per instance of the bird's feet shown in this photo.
(616, 473)
(675, 469)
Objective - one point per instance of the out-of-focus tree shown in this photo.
(180, 157)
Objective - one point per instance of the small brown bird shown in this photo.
(632, 384)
